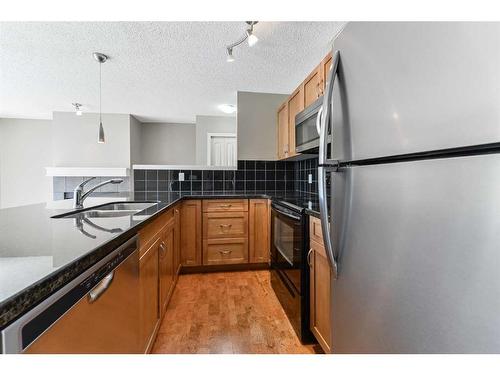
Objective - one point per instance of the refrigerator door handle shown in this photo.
(325, 223)
(326, 111)
(323, 148)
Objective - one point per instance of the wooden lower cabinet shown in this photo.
(149, 303)
(177, 242)
(190, 236)
(320, 289)
(225, 251)
(166, 265)
(225, 225)
(259, 230)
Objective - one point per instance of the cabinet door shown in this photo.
(259, 231)
(283, 131)
(177, 242)
(148, 279)
(191, 233)
(295, 105)
(312, 86)
(320, 299)
(325, 68)
(166, 266)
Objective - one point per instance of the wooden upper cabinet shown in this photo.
(259, 231)
(325, 65)
(295, 105)
(283, 131)
(313, 88)
(191, 233)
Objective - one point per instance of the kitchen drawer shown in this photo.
(225, 224)
(225, 251)
(315, 232)
(225, 205)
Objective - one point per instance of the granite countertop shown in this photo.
(40, 254)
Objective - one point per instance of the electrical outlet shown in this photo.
(181, 176)
(310, 178)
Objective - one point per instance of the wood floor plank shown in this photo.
(230, 312)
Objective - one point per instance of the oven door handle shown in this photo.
(291, 216)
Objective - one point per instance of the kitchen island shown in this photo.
(40, 254)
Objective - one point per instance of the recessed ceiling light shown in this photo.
(78, 108)
(227, 108)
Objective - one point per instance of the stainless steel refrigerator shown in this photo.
(414, 206)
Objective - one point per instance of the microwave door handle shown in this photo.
(318, 120)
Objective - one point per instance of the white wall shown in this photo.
(164, 143)
(24, 154)
(211, 124)
(74, 140)
(257, 125)
(135, 140)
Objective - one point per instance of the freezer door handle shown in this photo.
(327, 111)
(318, 121)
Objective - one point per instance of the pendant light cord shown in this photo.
(100, 93)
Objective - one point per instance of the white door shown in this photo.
(222, 151)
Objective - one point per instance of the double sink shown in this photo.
(119, 209)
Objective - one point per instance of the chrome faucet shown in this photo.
(79, 197)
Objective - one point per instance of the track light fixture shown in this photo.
(249, 36)
(230, 57)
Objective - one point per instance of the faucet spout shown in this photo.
(79, 196)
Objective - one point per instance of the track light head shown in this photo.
(230, 57)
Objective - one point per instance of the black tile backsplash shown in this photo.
(250, 177)
(302, 170)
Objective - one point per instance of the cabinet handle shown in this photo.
(225, 226)
(162, 249)
(225, 205)
(225, 252)
(309, 257)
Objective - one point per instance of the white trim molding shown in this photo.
(87, 171)
(174, 167)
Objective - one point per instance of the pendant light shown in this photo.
(101, 59)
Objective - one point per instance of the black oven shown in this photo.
(289, 268)
(307, 128)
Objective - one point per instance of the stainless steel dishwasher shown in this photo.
(98, 312)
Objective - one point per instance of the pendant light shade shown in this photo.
(100, 138)
(101, 59)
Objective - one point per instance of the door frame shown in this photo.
(209, 144)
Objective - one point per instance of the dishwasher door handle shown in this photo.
(100, 288)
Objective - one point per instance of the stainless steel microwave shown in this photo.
(307, 128)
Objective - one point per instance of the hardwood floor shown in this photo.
(230, 312)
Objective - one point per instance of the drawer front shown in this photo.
(315, 232)
(225, 225)
(225, 251)
(225, 205)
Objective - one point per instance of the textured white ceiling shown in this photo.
(158, 71)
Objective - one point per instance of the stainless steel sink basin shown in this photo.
(108, 210)
(125, 206)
